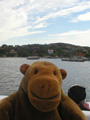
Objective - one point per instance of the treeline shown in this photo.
(59, 50)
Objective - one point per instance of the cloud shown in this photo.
(7, 34)
(73, 37)
(83, 17)
(21, 18)
(41, 25)
(37, 6)
(64, 12)
(73, 32)
(81, 38)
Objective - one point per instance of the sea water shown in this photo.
(10, 75)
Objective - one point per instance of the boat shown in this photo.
(75, 59)
(87, 113)
(33, 57)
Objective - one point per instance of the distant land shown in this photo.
(58, 50)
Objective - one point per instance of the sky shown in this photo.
(25, 22)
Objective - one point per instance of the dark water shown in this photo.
(10, 76)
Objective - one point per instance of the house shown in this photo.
(12, 51)
(50, 51)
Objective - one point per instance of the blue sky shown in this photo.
(25, 22)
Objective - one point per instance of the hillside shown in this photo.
(59, 49)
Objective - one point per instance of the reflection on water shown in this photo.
(10, 76)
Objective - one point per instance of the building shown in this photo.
(12, 51)
(50, 51)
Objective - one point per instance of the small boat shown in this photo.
(73, 59)
(87, 113)
(33, 57)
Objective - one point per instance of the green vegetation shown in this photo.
(59, 50)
